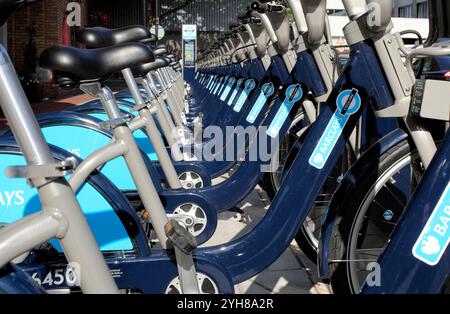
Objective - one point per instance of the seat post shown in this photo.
(153, 132)
(172, 90)
(175, 110)
(151, 84)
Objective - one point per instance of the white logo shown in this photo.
(430, 245)
(9, 198)
(318, 158)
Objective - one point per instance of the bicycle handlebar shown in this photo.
(255, 20)
(315, 13)
(244, 15)
(233, 25)
(261, 7)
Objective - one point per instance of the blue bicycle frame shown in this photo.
(417, 259)
(362, 82)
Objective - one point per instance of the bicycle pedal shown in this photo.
(180, 236)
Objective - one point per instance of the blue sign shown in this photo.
(348, 103)
(18, 200)
(249, 86)
(435, 237)
(236, 90)
(222, 84)
(228, 89)
(266, 92)
(211, 83)
(293, 94)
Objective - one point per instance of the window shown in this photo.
(406, 11)
(208, 15)
(429, 65)
(422, 10)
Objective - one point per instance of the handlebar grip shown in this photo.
(243, 15)
(276, 8)
(234, 25)
(256, 20)
(259, 7)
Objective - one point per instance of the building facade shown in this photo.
(410, 8)
(210, 16)
(46, 20)
(43, 24)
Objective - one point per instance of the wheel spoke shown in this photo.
(193, 211)
(200, 221)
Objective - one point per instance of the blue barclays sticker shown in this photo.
(293, 94)
(227, 90)
(213, 83)
(224, 82)
(222, 86)
(208, 81)
(235, 92)
(249, 86)
(435, 237)
(217, 86)
(348, 103)
(267, 90)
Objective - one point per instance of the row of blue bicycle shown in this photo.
(120, 194)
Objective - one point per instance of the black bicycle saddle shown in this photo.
(94, 64)
(142, 69)
(100, 37)
(160, 50)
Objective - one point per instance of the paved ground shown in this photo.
(292, 273)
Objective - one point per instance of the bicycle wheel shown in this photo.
(369, 215)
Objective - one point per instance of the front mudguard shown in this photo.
(346, 190)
